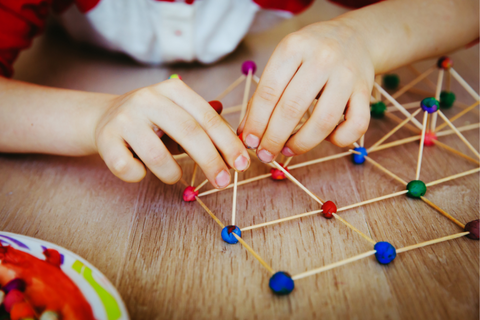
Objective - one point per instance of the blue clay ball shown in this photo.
(429, 105)
(281, 283)
(227, 234)
(359, 158)
(385, 252)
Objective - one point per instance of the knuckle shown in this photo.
(292, 108)
(272, 141)
(292, 40)
(325, 121)
(211, 161)
(156, 157)
(300, 147)
(267, 93)
(143, 95)
(360, 125)
(211, 120)
(189, 127)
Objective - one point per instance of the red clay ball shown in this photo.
(13, 297)
(445, 63)
(278, 174)
(472, 227)
(189, 194)
(329, 208)
(217, 105)
(429, 139)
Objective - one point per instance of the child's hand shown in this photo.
(327, 57)
(137, 120)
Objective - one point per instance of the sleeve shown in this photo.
(292, 6)
(20, 22)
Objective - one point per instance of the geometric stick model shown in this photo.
(426, 131)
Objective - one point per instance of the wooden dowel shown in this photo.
(449, 217)
(462, 105)
(397, 105)
(210, 213)
(455, 176)
(409, 105)
(400, 125)
(297, 216)
(364, 236)
(399, 193)
(459, 134)
(413, 82)
(455, 117)
(234, 202)
(464, 84)
(287, 162)
(391, 174)
(230, 87)
(291, 178)
(263, 263)
(195, 167)
(232, 110)
(255, 79)
(362, 140)
(333, 265)
(452, 150)
(425, 80)
(433, 123)
(308, 163)
(427, 243)
(246, 94)
(263, 176)
(461, 129)
(180, 156)
(421, 146)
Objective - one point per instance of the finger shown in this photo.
(120, 160)
(280, 69)
(153, 153)
(295, 101)
(324, 119)
(226, 141)
(180, 126)
(357, 118)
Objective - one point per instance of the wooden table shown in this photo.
(166, 257)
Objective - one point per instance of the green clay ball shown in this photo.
(416, 189)
(391, 81)
(447, 98)
(377, 110)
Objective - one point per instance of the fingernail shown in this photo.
(287, 152)
(252, 141)
(265, 156)
(241, 163)
(223, 179)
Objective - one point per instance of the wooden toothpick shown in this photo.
(400, 125)
(396, 194)
(427, 243)
(234, 204)
(297, 216)
(397, 105)
(263, 263)
(455, 117)
(455, 176)
(433, 205)
(195, 166)
(263, 176)
(230, 87)
(413, 82)
(459, 134)
(201, 185)
(420, 149)
(433, 124)
(364, 236)
(287, 162)
(333, 265)
(291, 178)
(452, 150)
(409, 105)
(385, 170)
(210, 213)
(418, 73)
(246, 94)
(464, 84)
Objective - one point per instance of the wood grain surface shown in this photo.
(167, 258)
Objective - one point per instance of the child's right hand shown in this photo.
(170, 110)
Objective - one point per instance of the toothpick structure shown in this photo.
(426, 132)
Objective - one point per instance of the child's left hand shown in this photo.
(327, 57)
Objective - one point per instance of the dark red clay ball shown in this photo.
(278, 174)
(189, 194)
(217, 105)
(444, 63)
(329, 208)
(472, 227)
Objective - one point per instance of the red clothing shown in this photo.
(22, 20)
